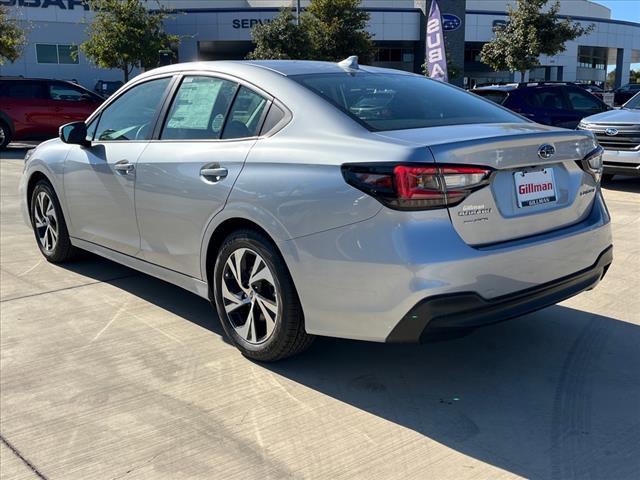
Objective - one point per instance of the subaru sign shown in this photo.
(450, 22)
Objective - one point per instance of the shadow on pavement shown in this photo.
(623, 184)
(554, 394)
(165, 295)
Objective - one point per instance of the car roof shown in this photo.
(282, 67)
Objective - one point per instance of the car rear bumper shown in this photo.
(360, 281)
(620, 162)
(468, 309)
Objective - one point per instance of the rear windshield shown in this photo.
(496, 96)
(396, 102)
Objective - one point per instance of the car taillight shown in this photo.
(592, 163)
(416, 187)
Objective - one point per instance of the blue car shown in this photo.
(557, 104)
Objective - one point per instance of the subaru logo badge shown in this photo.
(611, 131)
(546, 151)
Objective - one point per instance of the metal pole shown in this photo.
(297, 12)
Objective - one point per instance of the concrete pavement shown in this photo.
(106, 373)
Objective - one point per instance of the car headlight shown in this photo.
(27, 156)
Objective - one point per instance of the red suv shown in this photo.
(33, 109)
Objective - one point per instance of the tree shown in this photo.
(337, 29)
(329, 30)
(529, 33)
(280, 39)
(125, 35)
(12, 38)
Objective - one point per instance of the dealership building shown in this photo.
(221, 30)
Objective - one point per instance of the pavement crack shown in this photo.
(146, 462)
(17, 453)
(107, 280)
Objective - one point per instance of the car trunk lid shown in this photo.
(531, 191)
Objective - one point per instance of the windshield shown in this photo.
(397, 102)
(634, 103)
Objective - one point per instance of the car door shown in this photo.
(24, 101)
(69, 103)
(185, 176)
(550, 107)
(99, 180)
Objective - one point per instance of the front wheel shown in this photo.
(48, 224)
(256, 300)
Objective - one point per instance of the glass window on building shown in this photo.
(398, 57)
(593, 57)
(58, 54)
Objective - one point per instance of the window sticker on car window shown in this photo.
(194, 104)
(216, 125)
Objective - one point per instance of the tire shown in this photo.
(607, 177)
(5, 135)
(49, 226)
(265, 288)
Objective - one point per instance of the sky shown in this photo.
(623, 9)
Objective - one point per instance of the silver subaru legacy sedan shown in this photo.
(310, 198)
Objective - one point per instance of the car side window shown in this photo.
(60, 91)
(583, 102)
(199, 109)
(23, 90)
(547, 98)
(246, 114)
(131, 115)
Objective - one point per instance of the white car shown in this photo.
(618, 132)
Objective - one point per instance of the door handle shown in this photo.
(213, 173)
(124, 167)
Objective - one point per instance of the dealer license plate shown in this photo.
(535, 188)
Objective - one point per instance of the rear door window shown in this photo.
(26, 90)
(547, 98)
(199, 109)
(245, 117)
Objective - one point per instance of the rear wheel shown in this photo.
(5, 135)
(48, 224)
(256, 300)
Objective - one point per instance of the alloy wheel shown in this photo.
(250, 295)
(46, 221)
(3, 135)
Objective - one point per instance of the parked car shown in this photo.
(556, 104)
(107, 88)
(267, 188)
(618, 132)
(624, 93)
(34, 109)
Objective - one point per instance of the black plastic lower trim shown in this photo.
(621, 169)
(469, 309)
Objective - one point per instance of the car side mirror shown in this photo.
(74, 133)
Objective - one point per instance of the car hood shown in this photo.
(622, 115)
